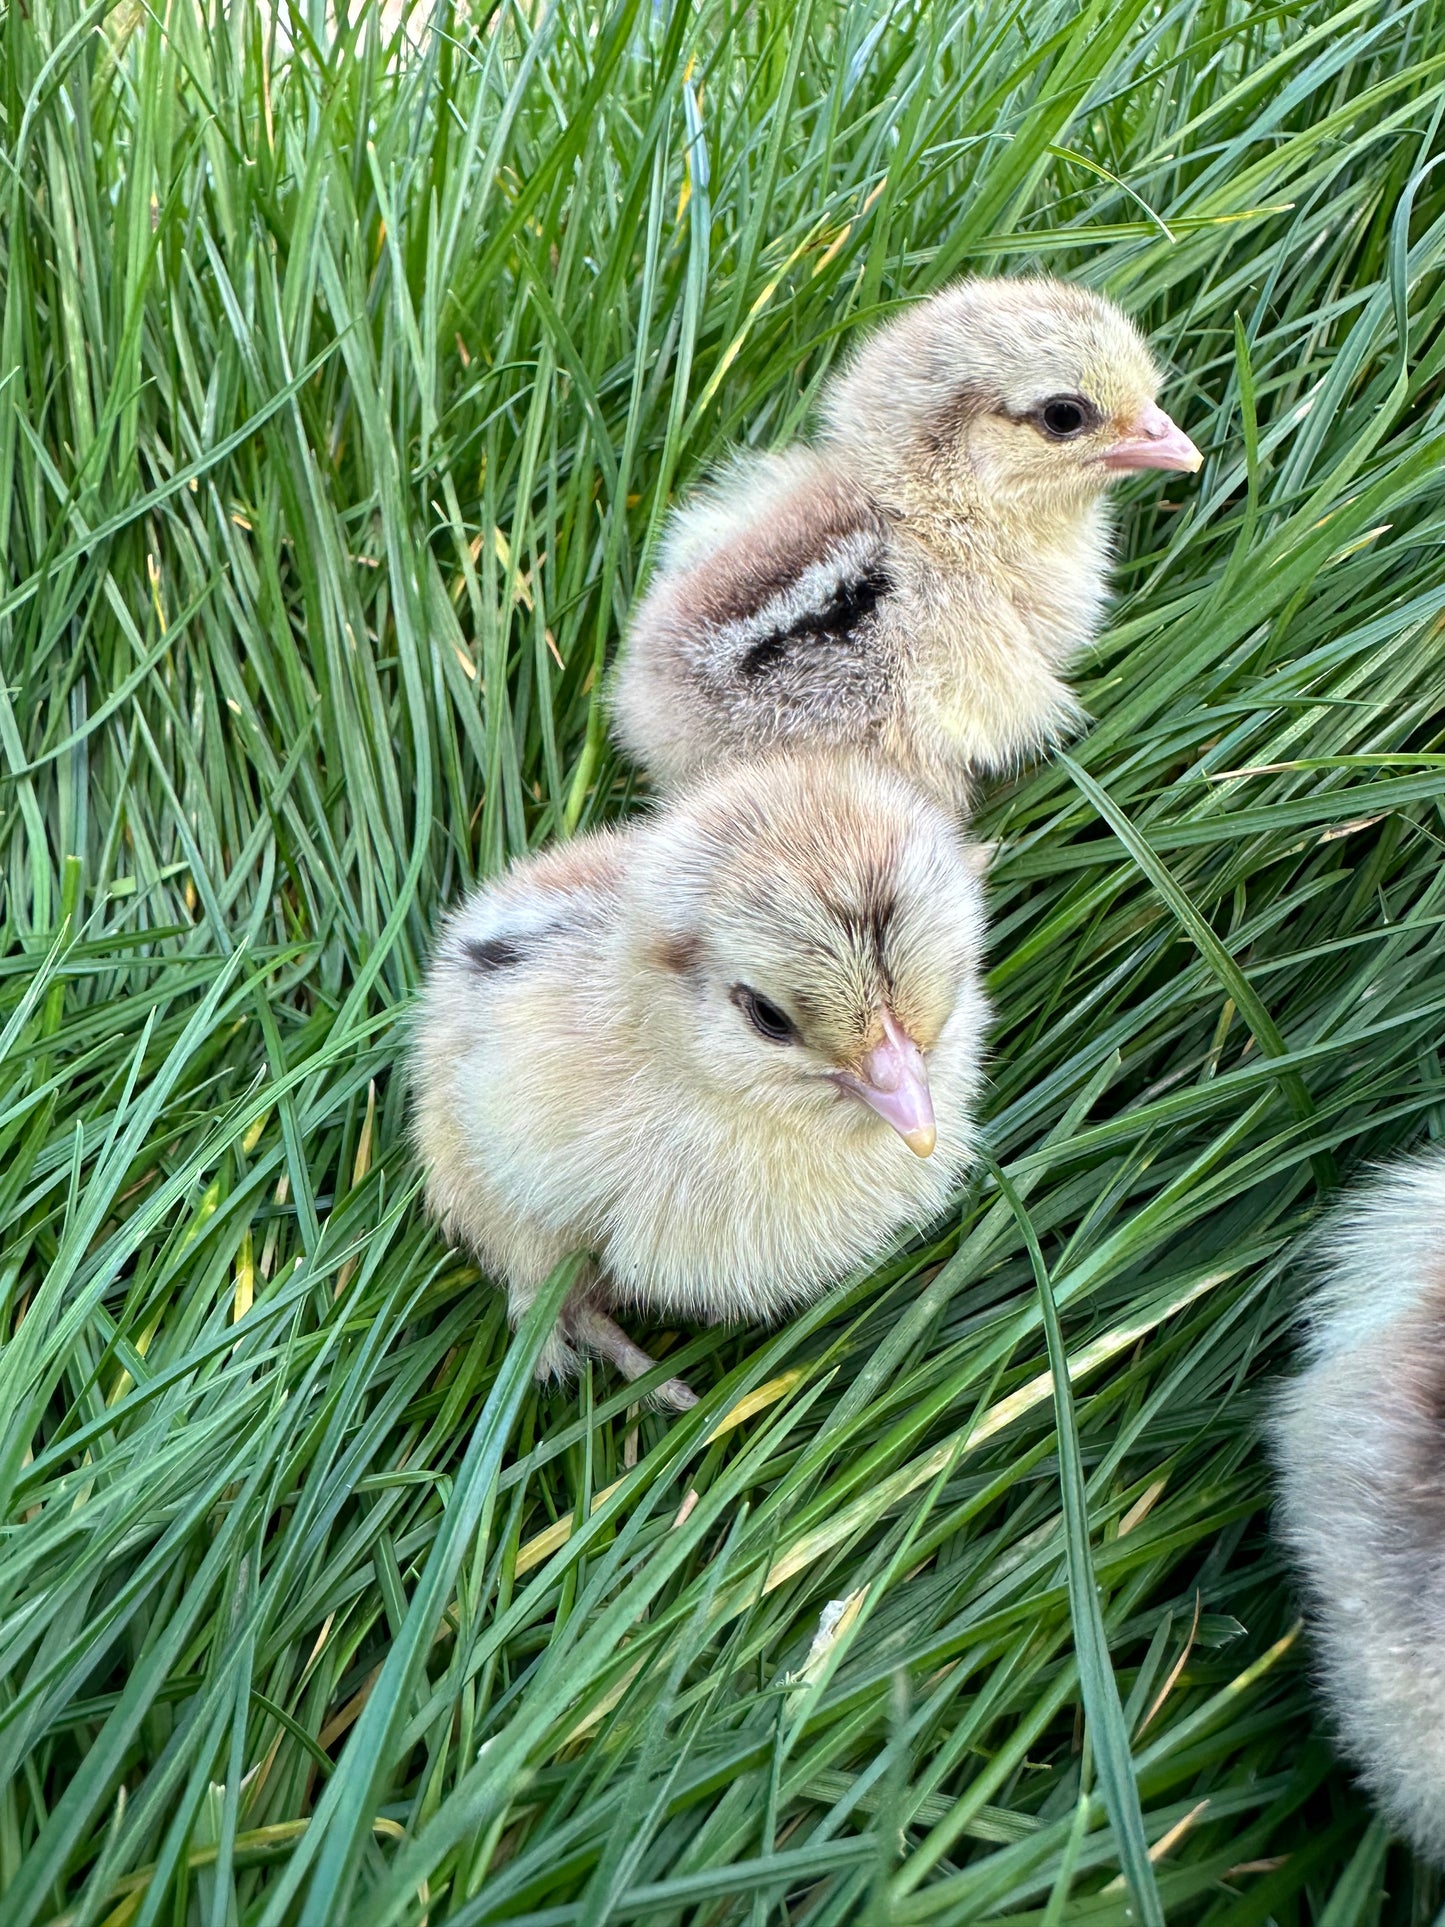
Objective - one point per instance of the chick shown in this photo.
(730, 1051)
(1362, 1489)
(920, 579)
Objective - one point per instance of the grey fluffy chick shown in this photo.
(920, 580)
(731, 1050)
(1358, 1440)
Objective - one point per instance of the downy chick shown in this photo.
(920, 579)
(1358, 1442)
(730, 1050)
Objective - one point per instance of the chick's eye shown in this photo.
(766, 1019)
(1064, 416)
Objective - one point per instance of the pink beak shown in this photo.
(892, 1081)
(1154, 442)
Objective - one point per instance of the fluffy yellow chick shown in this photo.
(730, 1050)
(1362, 1489)
(919, 580)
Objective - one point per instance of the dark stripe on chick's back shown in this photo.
(487, 954)
(836, 620)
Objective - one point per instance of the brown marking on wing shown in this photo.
(838, 620)
(486, 954)
(591, 863)
(767, 560)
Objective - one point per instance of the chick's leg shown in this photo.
(594, 1330)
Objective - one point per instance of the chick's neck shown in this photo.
(956, 515)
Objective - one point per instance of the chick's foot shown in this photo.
(596, 1332)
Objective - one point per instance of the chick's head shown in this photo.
(806, 933)
(1027, 394)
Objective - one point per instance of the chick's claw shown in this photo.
(676, 1395)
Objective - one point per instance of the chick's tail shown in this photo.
(1359, 1440)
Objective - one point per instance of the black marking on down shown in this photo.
(837, 620)
(486, 954)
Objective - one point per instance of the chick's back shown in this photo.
(1357, 1440)
(511, 1043)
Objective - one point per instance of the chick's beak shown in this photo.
(1154, 441)
(892, 1080)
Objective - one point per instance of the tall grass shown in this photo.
(346, 375)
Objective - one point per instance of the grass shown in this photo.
(345, 382)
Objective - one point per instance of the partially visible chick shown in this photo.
(1360, 1444)
(730, 1050)
(920, 580)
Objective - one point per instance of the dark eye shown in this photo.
(766, 1019)
(1064, 416)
